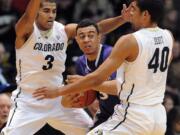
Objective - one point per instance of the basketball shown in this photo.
(86, 98)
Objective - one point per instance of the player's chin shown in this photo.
(49, 25)
(88, 52)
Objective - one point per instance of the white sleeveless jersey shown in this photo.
(40, 61)
(145, 78)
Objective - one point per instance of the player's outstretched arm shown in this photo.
(106, 25)
(24, 26)
(108, 87)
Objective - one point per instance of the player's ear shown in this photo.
(145, 13)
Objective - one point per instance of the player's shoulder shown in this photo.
(131, 38)
(170, 33)
(106, 48)
(58, 25)
(105, 51)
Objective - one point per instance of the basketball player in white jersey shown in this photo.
(41, 44)
(147, 55)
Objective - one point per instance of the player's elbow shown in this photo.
(19, 29)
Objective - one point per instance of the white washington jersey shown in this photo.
(40, 61)
(145, 78)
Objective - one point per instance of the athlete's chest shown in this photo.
(53, 43)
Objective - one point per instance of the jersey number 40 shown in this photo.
(162, 65)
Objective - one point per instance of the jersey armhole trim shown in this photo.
(65, 34)
(139, 44)
(172, 44)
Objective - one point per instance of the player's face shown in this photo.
(46, 15)
(136, 15)
(177, 126)
(88, 40)
(5, 105)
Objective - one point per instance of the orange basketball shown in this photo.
(87, 98)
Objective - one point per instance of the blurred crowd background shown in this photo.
(72, 11)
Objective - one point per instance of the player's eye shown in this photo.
(91, 36)
(54, 11)
(81, 36)
(46, 10)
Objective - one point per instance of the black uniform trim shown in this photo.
(126, 110)
(121, 88)
(15, 102)
(15, 106)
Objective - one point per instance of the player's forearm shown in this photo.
(108, 87)
(25, 23)
(32, 9)
(108, 25)
(88, 82)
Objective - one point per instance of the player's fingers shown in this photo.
(68, 81)
(74, 77)
(128, 9)
(39, 92)
(40, 88)
(77, 105)
(124, 7)
(75, 97)
(40, 97)
(69, 97)
(36, 95)
(70, 77)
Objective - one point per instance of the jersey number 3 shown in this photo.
(154, 62)
(49, 65)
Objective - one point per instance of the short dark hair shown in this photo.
(51, 1)
(154, 7)
(86, 23)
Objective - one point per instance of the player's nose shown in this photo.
(86, 39)
(51, 15)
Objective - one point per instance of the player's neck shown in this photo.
(91, 57)
(151, 25)
(46, 33)
(95, 55)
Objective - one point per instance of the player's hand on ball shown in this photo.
(73, 78)
(71, 100)
(44, 92)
